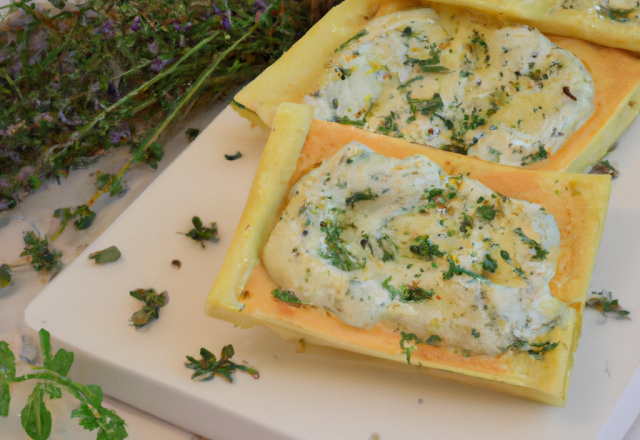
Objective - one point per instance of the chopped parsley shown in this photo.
(285, 296)
(540, 252)
(486, 212)
(489, 264)
(408, 349)
(425, 248)
(408, 293)
(360, 196)
(431, 64)
(541, 154)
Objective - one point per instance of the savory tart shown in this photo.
(613, 23)
(456, 80)
(369, 243)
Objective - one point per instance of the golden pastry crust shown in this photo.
(242, 291)
(616, 74)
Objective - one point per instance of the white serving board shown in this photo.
(321, 393)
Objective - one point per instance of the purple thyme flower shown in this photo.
(135, 27)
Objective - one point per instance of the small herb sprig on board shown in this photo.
(51, 378)
(208, 367)
(151, 309)
(201, 233)
(604, 302)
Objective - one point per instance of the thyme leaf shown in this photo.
(201, 233)
(604, 302)
(151, 309)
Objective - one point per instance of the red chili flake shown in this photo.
(438, 297)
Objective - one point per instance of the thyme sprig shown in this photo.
(79, 80)
(208, 367)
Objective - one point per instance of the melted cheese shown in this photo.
(375, 239)
(460, 83)
(619, 11)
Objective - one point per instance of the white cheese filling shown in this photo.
(375, 239)
(460, 83)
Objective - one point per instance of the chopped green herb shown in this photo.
(408, 349)
(336, 251)
(409, 82)
(83, 215)
(108, 255)
(408, 293)
(51, 378)
(489, 264)
(541, 154)
(539, 348)
(360, 196)
(486, 212)
(151, 309)
(475, 333)
(5, 276)
(454, 269)
(505, 256)
(425, 248)
(208, 367)
(541, 253)
(37, 248)
(352, 39)
(236, 156)
(201, 234)
(192, 133)
(285, 296)
(431, 64)
(605, 304)
(345, 120)
(433, 340)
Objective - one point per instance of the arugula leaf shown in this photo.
(208, 367)
(108, 255)
(51, 377)
(201, 234)
(35, 417)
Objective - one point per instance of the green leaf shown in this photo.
(192, 133)
(202, 234)
(85, 217)
(53, 391)
(35, 417)
(61, 362)
(5, 398)
(285, 296)
(5, 276)
(108, 255)
(45, 346)
(208, 368)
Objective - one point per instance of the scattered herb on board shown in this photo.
(83, 215)
(606, 305)
(236, 156)
(151, 309)
(604, 167)
(192, 133)
(208, 367)
(108, 255)
(78, 80)
(177, 264)
(201, 233)
(51, 378)
(37, 249)
(5, 276)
